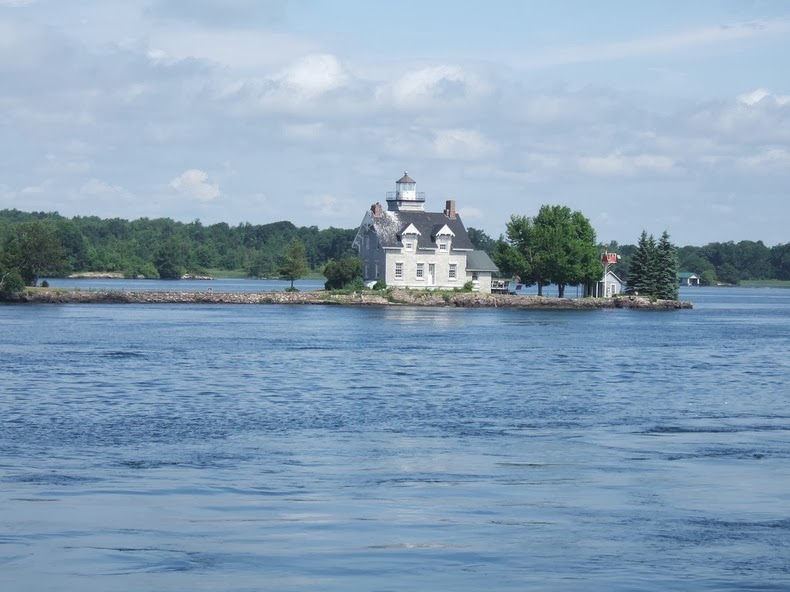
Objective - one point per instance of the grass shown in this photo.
(765, 283)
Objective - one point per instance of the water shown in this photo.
(179, 447)
(219, 285)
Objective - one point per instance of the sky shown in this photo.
(651, 115)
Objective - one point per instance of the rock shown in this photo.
(393, 298)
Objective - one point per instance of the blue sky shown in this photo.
(643, 115)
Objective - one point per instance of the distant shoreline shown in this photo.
(391, 298)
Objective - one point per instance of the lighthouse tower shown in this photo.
(405, 197)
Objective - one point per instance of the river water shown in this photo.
(241, 448)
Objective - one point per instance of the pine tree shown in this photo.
(643, 272)
(295, 264)
(667, 268)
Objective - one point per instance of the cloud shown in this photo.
(96, 188)
(194, 183)
(220, 13)
(671, 43)
(621, 165)
(772, 159)
(439, 85)
(17, 3)
(303, 131)
(462, 144)
(312, 76)
(757, 96)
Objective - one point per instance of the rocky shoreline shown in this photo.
(390, 298)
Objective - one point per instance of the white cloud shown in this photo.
(194, 183)
(312, 76)
(620, 165)
(249, 50)
(95, 187)
(303, 131)
(756, 96)
(771, 159)
(433, 86)
(671, 43)
(471, 213)
(462, 144)
(35, 189)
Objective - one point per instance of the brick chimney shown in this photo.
(449, 209)
(376, 209)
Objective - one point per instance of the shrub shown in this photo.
(11, 282)
(380, 285)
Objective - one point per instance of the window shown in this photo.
(420, 271)
(377, 271)
(442, 246)
(409, 244)
(453, 271)
(399, 270)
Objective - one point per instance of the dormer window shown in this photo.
(443, 246)
(408, 244)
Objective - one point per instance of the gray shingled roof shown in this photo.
(391, 224)
(480, 261)
(405, 179)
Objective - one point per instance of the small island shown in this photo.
(361, 298)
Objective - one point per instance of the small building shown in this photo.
(686, 278)
(610, 285)
(410, 248)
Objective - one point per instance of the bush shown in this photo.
(380, 285)
(45, 284)
(12, 282)
(343, 274)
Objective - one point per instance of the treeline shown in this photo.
(162, 248)
(725, 263)
(44, 244)
(722, 263)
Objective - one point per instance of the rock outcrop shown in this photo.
(389, 298)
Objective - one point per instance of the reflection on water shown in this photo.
(273, 447)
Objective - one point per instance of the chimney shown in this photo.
(449, 209)
(376, 209)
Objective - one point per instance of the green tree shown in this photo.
(667, 269)
(517, 256)
(294, 265)
(341, 274)
(566, 248)
(481, 240)
(642, 276)
(262, 265)
(34, 248)
(169, 261)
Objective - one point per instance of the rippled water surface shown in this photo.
(178, 447)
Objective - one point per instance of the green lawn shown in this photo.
(766, 283)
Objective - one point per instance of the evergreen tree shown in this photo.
(642, 271)
(295, 264)
(667, 268)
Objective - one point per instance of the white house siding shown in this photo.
(441, 261)
(483, 279)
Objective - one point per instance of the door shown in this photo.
(431, 274)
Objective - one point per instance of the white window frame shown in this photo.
(408, 244)
(420, 273)
(452, 272)
(399, 270)
(443, 246)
